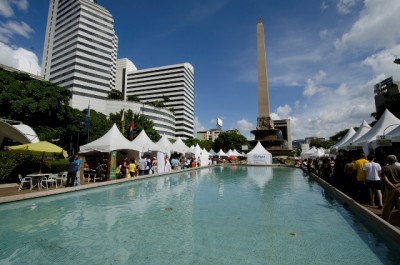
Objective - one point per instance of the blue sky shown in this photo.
(323, 56)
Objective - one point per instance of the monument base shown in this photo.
(271, 139)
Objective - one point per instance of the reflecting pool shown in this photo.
(221, 215)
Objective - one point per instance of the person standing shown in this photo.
(124, 167)
(71, 168)
(362, 193)
(78, 162)
(373, 181)
(391, 178)
(132, 168)
(142, 166)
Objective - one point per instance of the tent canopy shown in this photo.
(362, 130)
(43, 148)
(111, 141)
(180, 147)
(144, 144)
(164, 144)
(386, 120)
(259, 155)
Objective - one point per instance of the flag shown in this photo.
(123, 121)
(132, 127)
(87, 119)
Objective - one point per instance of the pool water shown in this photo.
(222, 215)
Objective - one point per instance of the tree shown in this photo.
(339, 135)
(42, 105)
(133, 98)
(141, 122)
(115, 94)
(207, 144)
(229, 140)
(191, 141)
(326, 144)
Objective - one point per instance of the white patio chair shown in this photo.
(62, 177)
(52, 179)
(24, 180)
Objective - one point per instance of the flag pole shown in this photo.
(88, 121)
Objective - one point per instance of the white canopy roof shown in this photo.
(363, 129)
(144, 143)
(384, 123)
(395, 133)
(164, 144)
(306, 154)
(259, 155)
(221, 153)
(320, 152)
(348, 135)
(212, 152)
(20, 133)
(180, 147)
(236, 153)
(112, 140)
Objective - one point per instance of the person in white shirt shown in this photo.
(373, 181)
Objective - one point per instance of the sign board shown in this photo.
(245, 148)
(353, 147)
(219, 122)
(384, 142)
(381, 87)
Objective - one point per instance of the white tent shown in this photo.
(320, 152)
(236, 153)
(180, 147)
(221, 153)
(111, 141)
(144, 143)
(395, 134)
(307, 154)
(362, 130)
(348, 135)
(198, 152)
(212, 152)
(386, 120)
(230, 153)
(259, 155)
(164, 144)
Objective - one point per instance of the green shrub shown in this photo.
(13, 164)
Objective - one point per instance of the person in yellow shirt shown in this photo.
(132, 168)
(362, 192)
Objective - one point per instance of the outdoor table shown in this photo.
(89, 174)
(38, 179)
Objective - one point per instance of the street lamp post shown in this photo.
(384, 130)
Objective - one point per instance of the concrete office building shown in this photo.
(173, 85)
(80, 49)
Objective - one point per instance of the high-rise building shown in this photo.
(171, 85)
(80, 49)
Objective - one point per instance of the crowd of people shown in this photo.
(362, 178)
(146, 165)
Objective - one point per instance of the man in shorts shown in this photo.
(373, 181)
(391, 178)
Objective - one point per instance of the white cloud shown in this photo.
(284, 111)
(342, 90)
(312, 86)
(344, 6)
(324, 6)
(6, 9)
(375, 28)
(245, 126)
(324, 34)
(382, 64)
(198, 126)
(19, 58)
(11, 28)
